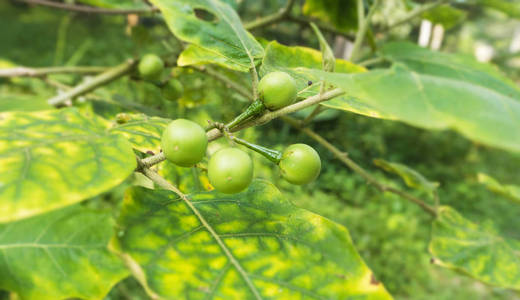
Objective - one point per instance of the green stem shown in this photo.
(152, 160)
(417, 12)
(270, 115)
(37, 72)
(363, 25)
(254, 81)
(371, 61)
(101, 79)
(343, 157)
(271, 19)
(163, 183)
(317, 110)
(90, 9)
(253, 109)
(272, 155)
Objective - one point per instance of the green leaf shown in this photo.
(21, 102)
(509, 7)
(283, 58)
(214, 27)
(56, 158)
(194, 55)
(437, 91)
(509, 191)
(477, 251)
(284, 252)
(60, 254)
(411, 177)
(143, 132)
(446, 15)
(188, 180)
(328, 59)
(341, 14)
(461, 68)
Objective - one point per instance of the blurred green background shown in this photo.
(390, 233)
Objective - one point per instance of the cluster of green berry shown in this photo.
(230, 170)
(150, 68)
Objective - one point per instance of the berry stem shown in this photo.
(272, 155)
(253, 109)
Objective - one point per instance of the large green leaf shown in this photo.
(50, 159)
(284, 252)
(451, 66)
(283, 58)
(341, 14)
(411, 177)
(220, 35)
(142, 131)
(477, 251)
(438, 92)
(507, 190)
(60, 254)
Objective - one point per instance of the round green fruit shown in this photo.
(172, 90)
(300, 164)
(230, 170)
(277, 90)
(150, 66)
(184, 142)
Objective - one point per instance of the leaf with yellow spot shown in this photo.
(281, 251)
(475, 250)
(59, 255)
(142, 131)
(186, 179)
(216, 31)
(51, 159)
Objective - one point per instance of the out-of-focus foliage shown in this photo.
(390, 235)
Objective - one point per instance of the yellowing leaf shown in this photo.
(142, 131)
(59, 255)
(474, 250)
(283, 252)
(51, 159)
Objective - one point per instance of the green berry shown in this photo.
(300, 164)
(230, 170)
(150, 66)
(277, 90)
(184, 142)
(172, 90)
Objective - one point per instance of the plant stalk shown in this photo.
(101, 79)
(272, 155)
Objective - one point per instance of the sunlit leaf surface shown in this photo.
(50, 159)
(476, 250)
(285, 252)
(142, 131)
(215, 29)
(438, 91)
(58, 255)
